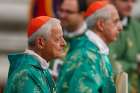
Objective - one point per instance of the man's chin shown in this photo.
(126, 14)
(113, 40)
(64, 24)
(62, 55)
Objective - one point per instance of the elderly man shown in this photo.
(128, 53)
(89, 67)
(28, 71)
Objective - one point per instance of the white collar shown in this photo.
(124, 21)
(94, 38)
(42, 61)
(77, 32)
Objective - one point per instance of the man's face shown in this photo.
(54, 46)
(124, 7)
(112, 26)
(68, 14)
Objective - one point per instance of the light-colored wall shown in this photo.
(136, 10)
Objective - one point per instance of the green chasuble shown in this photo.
(27, 76)
(127, 47)
(125, 51)
(86, 69)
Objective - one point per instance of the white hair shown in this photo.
(103, 13)
(44, 30)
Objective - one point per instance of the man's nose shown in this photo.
(64, 43)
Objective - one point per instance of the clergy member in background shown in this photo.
(88, 69)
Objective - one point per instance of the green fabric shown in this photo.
(85, 70)
(125, 50)
(26, 76)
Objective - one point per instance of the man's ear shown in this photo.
(100, 24)
(40, 42)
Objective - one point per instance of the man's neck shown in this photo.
(97, 39)
(74, 28)
(102, 36)
(42, 61)
(38, 52)
(78, 31)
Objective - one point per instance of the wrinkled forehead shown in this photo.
(57, 30)
(112, 9)
(115, 12)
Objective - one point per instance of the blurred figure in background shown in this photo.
(74, 27)
(126, 50)
(86, 68)
(71, 14)
(28, 72)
